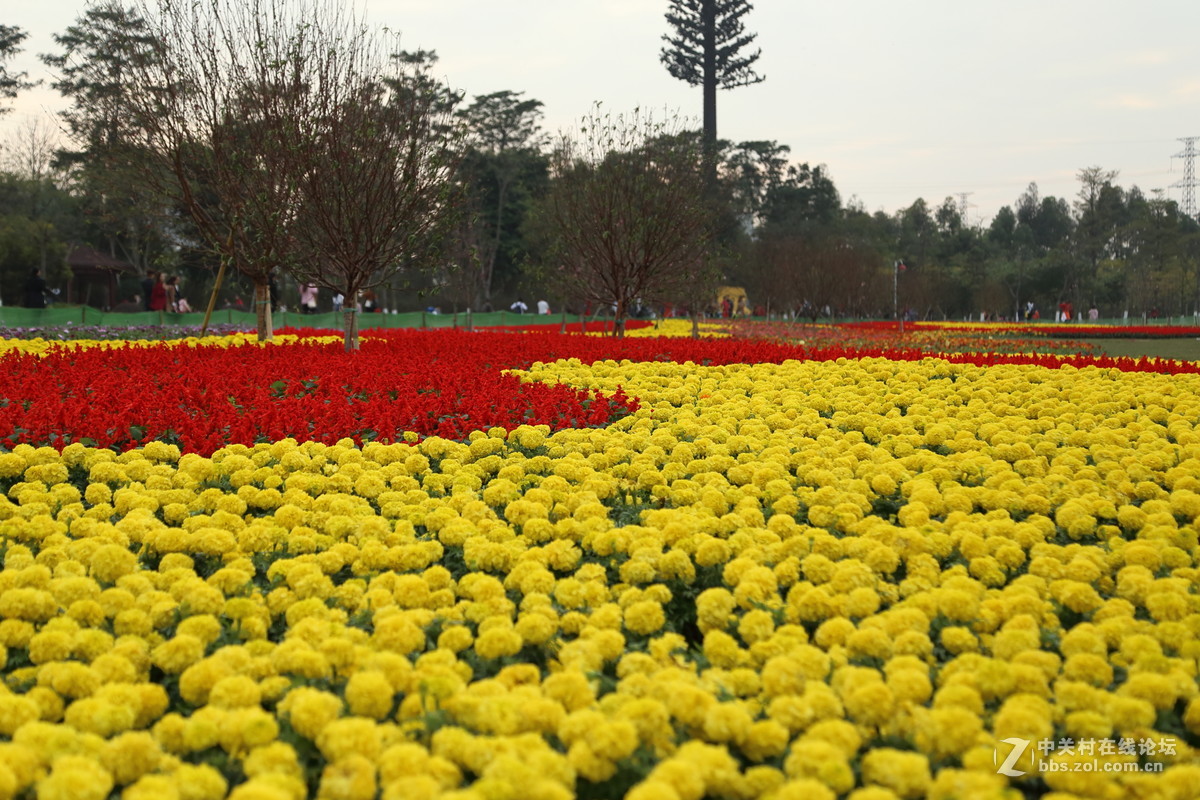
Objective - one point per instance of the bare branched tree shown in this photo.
(204, 103)
(374, 161)
(627, 217)
(813, 275)
(295, 141)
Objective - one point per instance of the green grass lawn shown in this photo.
(1178, 349)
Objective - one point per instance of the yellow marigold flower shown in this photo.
(271, 786)
(152, 787)
(653, 789)
(872, 704)
(498, 642)
(910, 685)
(1023, 716)
(948, 731)
(644, 617)
(50, 646)
(348, 736)
(111, 561)
(820, 761)
(34, 605)
(1158, 690)
(243, 729)
(838, 732)
(727, 722)
(952, 784)
(905, 773)
(535, 629)
(131, 755)
(99, 716)
(16, 711)
(869, 643)
(370, 694)
(569, 687)
(351, 777)
(235, 691)
(455, 638)
(1167, 605)
(1088, 725)
(310, 710)
(275, 757)
(202, 729)
(587, 763)
(198, 680)
(399, 634)
(721, 649)
(1088, 668)
(75, 778)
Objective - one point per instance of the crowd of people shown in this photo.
(160, 292)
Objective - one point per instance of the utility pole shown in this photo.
(963, 205)
(1188, 183)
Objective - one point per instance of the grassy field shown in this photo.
(1178, 349)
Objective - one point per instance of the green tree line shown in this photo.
(772, 224)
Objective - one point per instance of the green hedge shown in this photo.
(14, 317)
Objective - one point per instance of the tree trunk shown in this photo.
(490, 269)
(262, 310)
(619, 320)
(350, 329)
(708, 19)
(695, 325)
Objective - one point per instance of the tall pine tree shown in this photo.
(10, 44)
(709, 49)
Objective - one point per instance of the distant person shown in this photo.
(519, 306)
(1093, 313)
(369, 304)
(35, 290)
(158, 294)
(338, 301)
(543, 307)
(173, 293)
(308, 299)
(148, 287)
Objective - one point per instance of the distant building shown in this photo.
(95, 277)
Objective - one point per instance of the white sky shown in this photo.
(925, 98)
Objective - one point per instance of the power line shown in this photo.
(1188, 184)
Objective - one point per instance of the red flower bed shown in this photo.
(441, 382)
(935, 340)
(1053, 329)
(595, 326)
(434, 383)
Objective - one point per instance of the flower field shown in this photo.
(482, 566)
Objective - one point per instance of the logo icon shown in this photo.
(1008, 766)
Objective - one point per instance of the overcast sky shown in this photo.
(926, 98)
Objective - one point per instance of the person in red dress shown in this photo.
(158, 294)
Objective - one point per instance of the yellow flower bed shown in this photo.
(676, 327)
(40, 346)
(808, 580)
